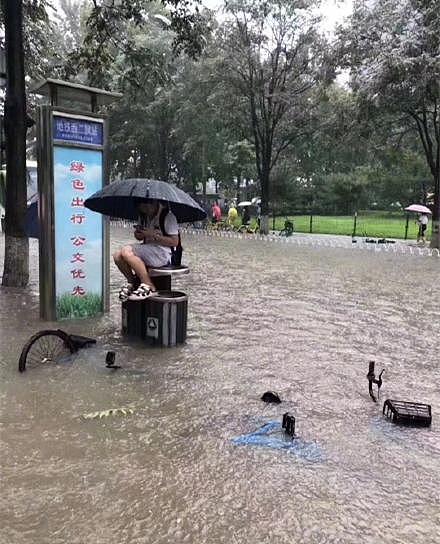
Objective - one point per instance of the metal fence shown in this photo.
(362, 224)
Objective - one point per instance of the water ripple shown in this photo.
(302, 318)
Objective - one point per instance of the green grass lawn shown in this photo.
(71, 307)
(373, 225)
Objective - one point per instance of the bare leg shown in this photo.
(124, 267)
(137, 265)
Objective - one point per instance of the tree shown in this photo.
(272, 63)
(16, 262)
(106, 20)
(108, 31)
(392, 48)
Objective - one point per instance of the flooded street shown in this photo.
(302, 321)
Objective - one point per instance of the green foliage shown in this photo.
(392, 48)
(109, 32)
(270, 59)
(73, 307)
(250, 98)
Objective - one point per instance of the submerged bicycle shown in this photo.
(50, 346)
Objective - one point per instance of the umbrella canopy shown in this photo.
(418, 208)
(121, 199)
(244, 204)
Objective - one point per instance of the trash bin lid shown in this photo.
(170, 296)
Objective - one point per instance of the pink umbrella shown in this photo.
(418, 208)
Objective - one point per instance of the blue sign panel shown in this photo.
(78, 233)
(80, 131)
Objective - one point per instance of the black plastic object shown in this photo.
(289, 424)
(372, 379)
(110, 360)
(271, 397)
(408, 413)
(81, 341)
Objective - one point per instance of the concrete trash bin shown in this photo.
(160, 320)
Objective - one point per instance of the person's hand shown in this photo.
(148, 234)
(139, 235)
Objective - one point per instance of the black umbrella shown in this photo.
(121, 198)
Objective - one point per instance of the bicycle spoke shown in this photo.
(47, 349)
(36, 353)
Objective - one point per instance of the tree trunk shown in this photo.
(238, 187)
(16, 263)
(265, 198)
(435, 236)
(203, 168)
(264, 224)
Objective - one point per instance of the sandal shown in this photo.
(142, 292)
(126, 291)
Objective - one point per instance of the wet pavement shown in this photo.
(301, 320)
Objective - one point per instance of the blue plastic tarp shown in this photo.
(271, 435)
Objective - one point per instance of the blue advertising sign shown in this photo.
(78, 173)
(80, 131)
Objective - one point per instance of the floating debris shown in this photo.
(271, 397)
(271, 435)
(110, 360)
(372, 379)
(289, 424)
(408, 413)
(106, 413)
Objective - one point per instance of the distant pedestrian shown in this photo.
(216, 213)
(423, 225)
(246, 217)
(232, 214)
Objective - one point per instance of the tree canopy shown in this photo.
(392, 49)
(252, 100)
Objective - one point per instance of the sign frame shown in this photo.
(46, 203)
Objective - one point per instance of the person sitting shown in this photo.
(288, 228)
(158, 231)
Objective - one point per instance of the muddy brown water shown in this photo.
(262, 316)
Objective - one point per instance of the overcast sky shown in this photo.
(333, 11)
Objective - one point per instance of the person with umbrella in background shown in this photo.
(422, 221)
(246, 217)
(158, 231)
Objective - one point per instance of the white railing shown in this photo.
(306, 241)
(314, 241)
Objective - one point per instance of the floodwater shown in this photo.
(301, 321)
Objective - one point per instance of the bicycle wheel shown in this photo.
(44, 347)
